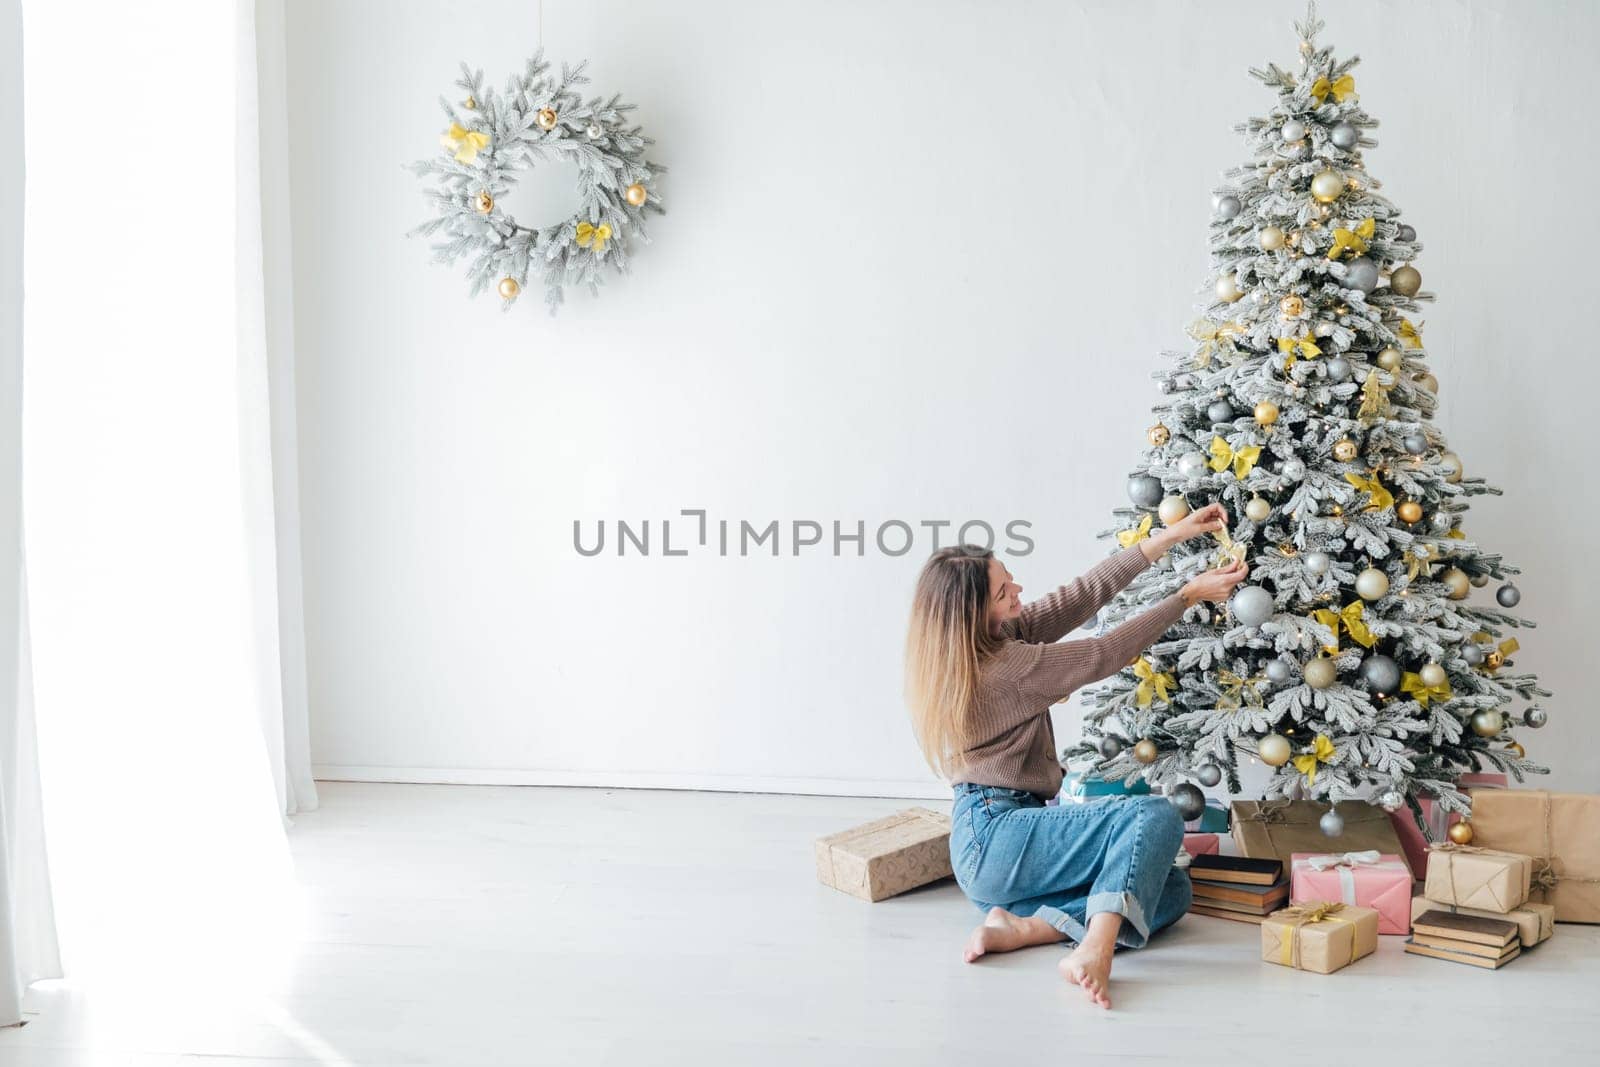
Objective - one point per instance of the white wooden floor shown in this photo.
(468, 925)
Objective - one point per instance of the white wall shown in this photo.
(919, 262)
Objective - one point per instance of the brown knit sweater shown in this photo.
(1014, 743)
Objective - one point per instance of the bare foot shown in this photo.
(1003, 932)
(1089, 966)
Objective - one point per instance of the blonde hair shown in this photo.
(947, 641)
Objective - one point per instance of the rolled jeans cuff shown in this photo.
(1135, 928)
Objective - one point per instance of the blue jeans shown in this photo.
(1065, 863)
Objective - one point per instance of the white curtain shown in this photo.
(266, 378)
(27, 918)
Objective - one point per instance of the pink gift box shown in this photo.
(1411, 839)
(1201, 844)
(1363, 879)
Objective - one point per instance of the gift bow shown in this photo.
(1351, 240)
(1422, 694)
(1380, 497)
(1129, 538)
(1152, 683)
(1346, 863)
(1211, 336)
(1307, 915)
(590, 234)
(1305, 346)
(1410, 336)
(1341, 88)
(1354, 623)
(1235, 688)
(465, 143)
(1321, 752)
(1228, 548)
(1223, 454)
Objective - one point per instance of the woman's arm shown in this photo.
(1057, 614)
(1066, 666)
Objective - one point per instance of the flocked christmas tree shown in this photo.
(1354, 659)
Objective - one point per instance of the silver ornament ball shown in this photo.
(1406, 232)
(1293, 469)
(1252, 605)
(1278, 671)
(1110, 747)
(1228, 207)
(1220, 411)
(1535, 717)
(1338, 369)
(1442, 521)
(1361, 273)
(1415, 443)
(1508, 595)
(1331, 823)
(1472, 652)
(1479, 580)
(1316, 562)
(1190, 802)
(1381, 673)
(1372, 584)
(1432, 675)
(1344, 135)
(1390, 800)
(1191, 464)
(1144, 490)
(594, 131)
(1488, 723)
(1294, 130)
(1209, 774)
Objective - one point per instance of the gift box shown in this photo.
(1561, 831)
(1535, 922)
(1201, 844)
(1277, 829)
(1413, 840)
(1076, 789)
(1369, 879)
(1213, 820)
(1321, 937)
(886, 856)
(1473, 877)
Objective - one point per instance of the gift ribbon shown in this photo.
(1305, 346)
(1380, 497)
(589, 234)
(1411, 682)
(1302, 915)
(1351, 240)
(1152, 683)
(1223, 454)
(1234, 689)
(1347, 862)
(1321, 752)
(464, 143)
(1341, 88)
(1129, 538)
(1353, 620)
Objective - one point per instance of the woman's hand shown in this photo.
(1198, 523)
(1215, 585)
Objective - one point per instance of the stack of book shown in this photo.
(1470, 939)
(1237, 887)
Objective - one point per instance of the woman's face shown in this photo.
(1005, 595)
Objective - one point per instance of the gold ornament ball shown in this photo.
(1327, 186)
(1372, 584)
(546, 118)
(1456, 584)
(1158, 435)
(470, 103)
(1291, 306)
(1272, 239)
(1517, 750)
(483, 202)
(1461, 833)
(1432, 675)
(1487, 723)
(1389, 359)
(1406, 280)
(1173, 509)
(1321, 672)
(1266, 413)
(1452, 464)
(1344, 450)
(1427, 381)
(1273, 750)
(1409, 511)
(1494, 659)
(1256, 509)
(636, 194)
(1145, 751)
(509, 288)
(1228, 289)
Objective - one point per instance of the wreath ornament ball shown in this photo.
(494, 136)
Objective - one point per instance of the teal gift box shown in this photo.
(1075, 789)
(1213, 820)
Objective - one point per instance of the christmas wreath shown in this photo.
(494, 136)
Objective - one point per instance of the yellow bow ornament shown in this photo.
(1354, 241)
(1378, 497)
(1341, 88)
(590, 234)
(465, 143)
(1410, 336)
(1211, 337)
(1228, 549)
(1353, 620)
(1417, 561)
(1153, 684)
(1422, 694)
(1234, 689)
(1304, 346)
(1129, 538)
(1321, 752)
(1243, 460)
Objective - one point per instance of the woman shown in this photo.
(982, 670)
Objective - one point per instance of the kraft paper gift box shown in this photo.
(1471, 876)
(1369, 879)
(1201, 844)
(1413, 840)
(887, 856)
(1535, 922)
(1277, 829)
(1321, 937)
(1561, 831)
